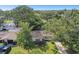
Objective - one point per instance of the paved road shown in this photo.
(60, 48)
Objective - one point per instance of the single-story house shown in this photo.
(37, 36)
(8, 37)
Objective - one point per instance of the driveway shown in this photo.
(60, 48)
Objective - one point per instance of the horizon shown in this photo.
(42, 7)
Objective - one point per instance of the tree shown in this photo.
(26, 14)
(24, 38)
(66, 29)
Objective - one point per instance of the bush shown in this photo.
(51, 48)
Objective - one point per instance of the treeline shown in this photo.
(65, 25)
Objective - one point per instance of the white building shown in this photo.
(8, 26)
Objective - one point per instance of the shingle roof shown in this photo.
(8, 36)
(35, 34)
(41, 34)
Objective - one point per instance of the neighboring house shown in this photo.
(8, 26)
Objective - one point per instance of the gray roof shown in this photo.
(8, 35)
(41, 35)
(12, 35)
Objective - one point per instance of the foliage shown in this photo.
(24, 38)
(49, 48)
(26, 14)
(65, 28)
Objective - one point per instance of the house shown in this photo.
(8, 37)
(40, 37)
(8, 26)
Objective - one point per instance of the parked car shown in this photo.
(4, 29)
(5, 49)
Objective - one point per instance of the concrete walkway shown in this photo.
(61, 48)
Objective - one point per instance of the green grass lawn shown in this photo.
(49, 49)
(1, 44)
(18, 50)
(8, 21)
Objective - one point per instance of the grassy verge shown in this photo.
(18, 50)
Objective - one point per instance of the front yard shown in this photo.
(18, 50)
(1, 44)
(50, 48)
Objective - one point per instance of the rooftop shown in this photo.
(12, 35)
(8, 35)
(41, 34)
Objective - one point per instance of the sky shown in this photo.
(42, 7)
